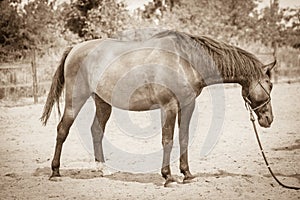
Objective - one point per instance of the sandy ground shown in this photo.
(233, 170)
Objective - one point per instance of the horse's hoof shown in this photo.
(189, 179)
(100, 167)
(55, 174)
(55, 178)
(171, 182)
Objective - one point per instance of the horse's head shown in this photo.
(257, 96)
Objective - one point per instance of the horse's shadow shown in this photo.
(153, 178)
(71, 173)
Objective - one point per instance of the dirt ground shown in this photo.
(233, 170)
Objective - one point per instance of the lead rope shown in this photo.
(252, 118)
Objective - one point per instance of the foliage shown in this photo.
(39, 23)
(96, 18)
(232, 21)
(270, 26)
(25, 28)
(220, 19)
(10, 29)
(292, 31)
(278, 27)
(158, 5)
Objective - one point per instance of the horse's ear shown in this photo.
(267, 68)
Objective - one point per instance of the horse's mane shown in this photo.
(231, 61)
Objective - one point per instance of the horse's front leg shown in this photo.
(103, 111)
(168, 117)
(184, 118)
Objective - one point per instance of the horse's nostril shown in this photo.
(269, 120)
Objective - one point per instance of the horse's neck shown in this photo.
(220, 79)
(239, 79)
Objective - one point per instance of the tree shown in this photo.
(38, 21)
(292, 29)
(158, 5)
(96, 18)
(25, 28)
(10, 35)
(269, 25)
(226, 20)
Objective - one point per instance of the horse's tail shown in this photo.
(57, 86)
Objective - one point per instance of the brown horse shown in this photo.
(167, 72)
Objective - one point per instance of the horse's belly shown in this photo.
(146, 79)
(135, 99)
(146, 97)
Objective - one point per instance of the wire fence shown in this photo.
(26, 79)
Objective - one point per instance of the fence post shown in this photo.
(275, 56)
(34, 77)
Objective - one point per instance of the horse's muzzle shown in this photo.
(265, 121)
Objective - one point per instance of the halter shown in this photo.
(248, 102)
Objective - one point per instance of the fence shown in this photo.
(28, 79)
(288, 64)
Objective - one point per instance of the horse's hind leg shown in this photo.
(184, 118)
(72, 108)
(103, 111)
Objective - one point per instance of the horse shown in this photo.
(167, 71)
